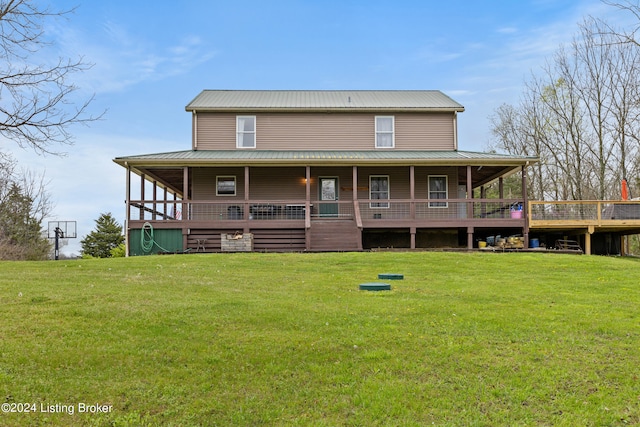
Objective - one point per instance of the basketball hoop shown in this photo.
(61, 230)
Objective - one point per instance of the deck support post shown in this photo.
(587, 240)
(470, 231)
(525, 209)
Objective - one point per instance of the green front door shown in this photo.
(328, 193)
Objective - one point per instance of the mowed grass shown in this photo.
(288, 339)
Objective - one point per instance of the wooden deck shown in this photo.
(585, 218)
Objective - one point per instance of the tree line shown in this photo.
(579, 115)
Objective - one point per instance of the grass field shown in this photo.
(288, 339)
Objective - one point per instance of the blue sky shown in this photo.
(151, 58)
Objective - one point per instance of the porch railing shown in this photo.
(367, 209)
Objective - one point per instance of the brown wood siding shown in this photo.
(398, 181)
(204, 183)
(264, 183)
(277, 183)
(345, 181)
(282, 183)
(424, 131)
(287, 183)
(216, 131)
(327, 131)
(422, 177)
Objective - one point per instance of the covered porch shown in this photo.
(329, 202)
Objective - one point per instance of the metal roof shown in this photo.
(289, 157)
(323, 100)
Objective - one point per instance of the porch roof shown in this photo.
(323, 157)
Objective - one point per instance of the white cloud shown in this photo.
(122, 59)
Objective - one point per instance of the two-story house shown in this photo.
(320, 171)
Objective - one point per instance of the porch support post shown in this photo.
(155, 198)
(128, 212)
(185, 206)
(469, 207)
(501, 187)
(525, 202)
(142, 196)
(412, 206)
(164, 209)
(307, 208)
(175, 206)
(356, 207)
(469, 195)
(247, 197)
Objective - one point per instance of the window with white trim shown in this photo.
(225, 186)
(385, 126)
(438, 189)
(246, 131)
(379, 190)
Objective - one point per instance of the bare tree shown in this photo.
(580, 116)
(24, 203)
(36, 105)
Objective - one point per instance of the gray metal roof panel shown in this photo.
(221, 100)
(381, 156)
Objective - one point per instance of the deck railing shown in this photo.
(583, 213)
(368, 209)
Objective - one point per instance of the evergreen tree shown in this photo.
(106, 236)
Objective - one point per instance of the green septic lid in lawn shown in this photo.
(375, 287)
(391, 276)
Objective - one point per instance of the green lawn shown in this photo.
(288, 339)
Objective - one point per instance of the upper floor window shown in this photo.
(385, 132)
(438, 190)
(246, 131)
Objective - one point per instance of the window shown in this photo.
(384, 132)
(438, 190)
(246, 131)
(225, 186)
(379, 190)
